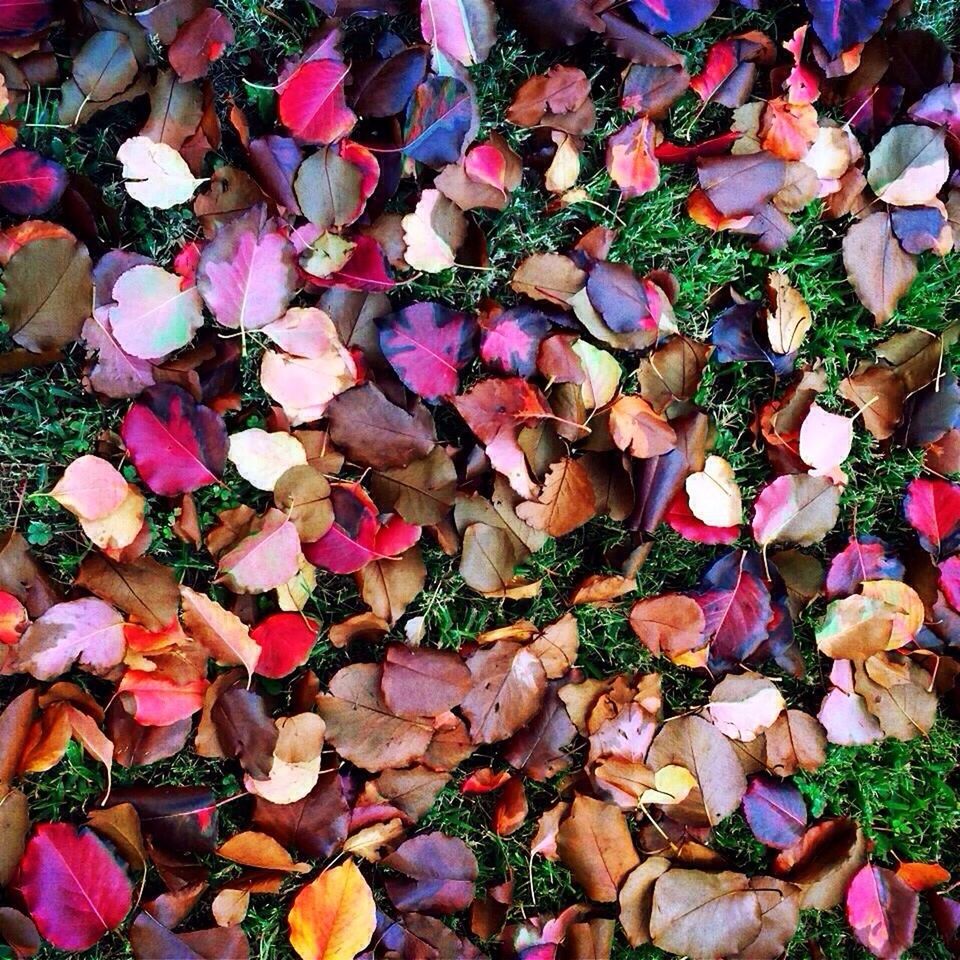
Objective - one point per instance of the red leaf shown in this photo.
(29, 184)
(73, 886)
(286, 640)
(312, 103)
(932, 508)
(681, 518)
(357, 536)
(176, 444)
(882, 910)
(365, 270)
(668, 152)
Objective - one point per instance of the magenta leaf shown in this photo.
(74, 887)
(312, 102)
(510, 339)
(736, 606)
(357, 536)
(247, 274)
(882, 911)
(176, 444)
(19, 18)
(29, 184)
(863, 558)
(775, 811)
(427, 345)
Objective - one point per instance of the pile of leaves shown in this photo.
(483, 431)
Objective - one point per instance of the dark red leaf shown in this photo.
(441, 872)
(181, 819)
(199, 42)
(19, 18)
(315, 826)
(736, 606)
(382, 88)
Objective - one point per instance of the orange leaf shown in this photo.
(334, 917)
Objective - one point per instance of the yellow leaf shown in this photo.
(671, 784)
(334, 917)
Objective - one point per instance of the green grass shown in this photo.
(900, 793)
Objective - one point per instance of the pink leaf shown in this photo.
(312, 102)
(882, 910)
(73, 886)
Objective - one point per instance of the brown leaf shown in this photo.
(879, 393)
(670, 625)
(145, 590)
(419, 682)
(303, 494)
(556, 645)
(566, 501)
(550, 277)
(539, 748)
(21, 576)
(694, 743)
(245, 730)
(704, 914)
(508, 686)
(636, 899)
(373, 432)
(795, 742)
(14, 824)
(442, 872)
(413, 791)
(121, 826)
(16, 722)
(823, 861)
(315, 826)
(595, 843)
(878, 267)
(363, 728)
(48, 292)
(422, 492)
(254, 849)
(136, 745)
(388, 585)
(672, 372)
